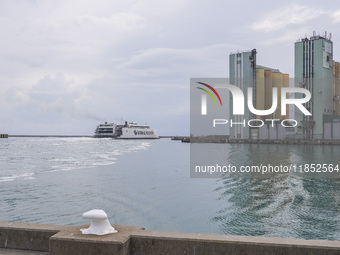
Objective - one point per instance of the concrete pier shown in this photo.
(68, 240)
(288, 141)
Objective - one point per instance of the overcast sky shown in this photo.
(66, 66)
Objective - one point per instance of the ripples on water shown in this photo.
(147, 183)
(285, 205)
(24, 158)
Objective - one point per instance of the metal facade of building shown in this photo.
(316, 71)
(244, 73)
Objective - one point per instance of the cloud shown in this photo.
(336, 16)
(285, 16)
(51, 94)
(289, 36)
(179, 62)
(125, 22)
(69, 62)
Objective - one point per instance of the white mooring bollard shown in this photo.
(100, 225)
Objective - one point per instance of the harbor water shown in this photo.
(147, 183)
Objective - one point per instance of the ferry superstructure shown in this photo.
(125, 131)
(106, 130)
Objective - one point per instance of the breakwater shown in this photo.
(225, 139)
(56, 136)
(287, 141)
(67, 240)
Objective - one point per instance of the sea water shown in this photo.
(147, 183)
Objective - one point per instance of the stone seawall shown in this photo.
(68, 240)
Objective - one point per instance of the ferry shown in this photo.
(125, 131)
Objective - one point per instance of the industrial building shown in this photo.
(245, 73)
(316, 71)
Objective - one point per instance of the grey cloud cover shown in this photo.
(65, 66)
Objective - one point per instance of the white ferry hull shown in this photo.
(126, 131)
(136, 133)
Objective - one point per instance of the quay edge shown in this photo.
(68, 240)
